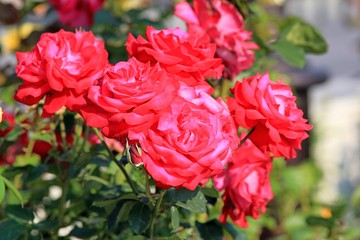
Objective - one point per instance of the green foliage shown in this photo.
(12, 189)
(304, 35)
(175, 218)
(289, 52)
(139, 217)
(2, 190)
(11, 230)
(289, 37)
(210, 230)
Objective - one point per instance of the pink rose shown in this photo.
(246, 183)
(225, 26)
(270, 109)
(190, 56)
(61, 67)
(191, 141)
(77, 13)
(129, 97)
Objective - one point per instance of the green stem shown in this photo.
(155, 213)
(82, 140)
(32, 141)
(225, 85)
(65, 189)
(30, 148)
(147, 187)
(112, 157)
(64, 183)
(247, 136)
(63, 132)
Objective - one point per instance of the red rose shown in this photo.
(225, 26)
(190, 56)
(62, 66)
(191, 141)
(270, 109)
(246, 183)
(129, 97)
(77, 13)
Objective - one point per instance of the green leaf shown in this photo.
(18, 213)
(11, 230)
(126, 196)
(175, 221)
(44, 136)
(125, 233)
(14, 134)
(2, 190)
(210, 230)
(112, 219)
(191, 200)
(35, 173)
(96, 179)
(176, 195)
(210, 192)
(12, 188)
(23, 160)
(139, 218)
(319, 221)
(4, 125)
(47, 224)
(125, 210)
(83, 233)
(289, 52)
(305, 36)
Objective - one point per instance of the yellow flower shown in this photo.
(325, 212)
(11, 39)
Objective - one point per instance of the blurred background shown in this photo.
(334, 106)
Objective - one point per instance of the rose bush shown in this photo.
(130, 146)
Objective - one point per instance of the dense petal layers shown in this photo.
(61, 67)
(225, 26)
(269, 109)
(129, 97)
(191, 141)
(190, 56)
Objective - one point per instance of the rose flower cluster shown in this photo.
(159, 102)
